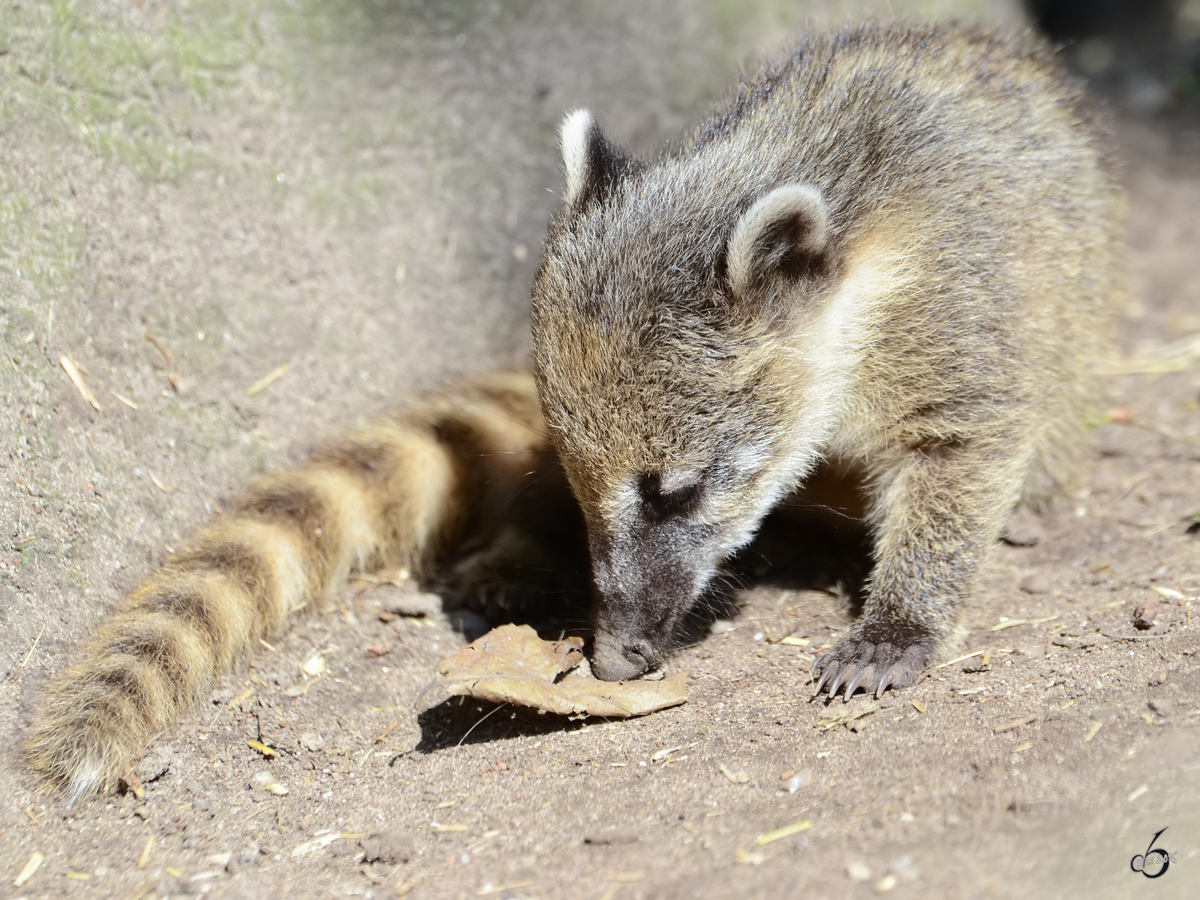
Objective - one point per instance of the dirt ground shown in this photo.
(195, 195)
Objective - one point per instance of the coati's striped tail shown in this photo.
(392, 494)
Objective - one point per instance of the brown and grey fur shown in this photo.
(896, 249)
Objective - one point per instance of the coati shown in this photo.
(898, 247)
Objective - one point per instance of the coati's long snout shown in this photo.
(631, 634)
(642, 592)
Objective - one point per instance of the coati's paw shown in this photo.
(875, 657)
(510, 577)
(487, 583)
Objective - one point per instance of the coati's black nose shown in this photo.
(617, 660)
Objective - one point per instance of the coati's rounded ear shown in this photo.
(782, 235)
(592, 163)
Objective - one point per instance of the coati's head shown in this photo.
(664, 339)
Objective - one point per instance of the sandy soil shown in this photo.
(193, 195)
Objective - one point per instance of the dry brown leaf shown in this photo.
(511, 664)
(514, 650)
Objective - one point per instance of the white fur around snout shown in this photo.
(574, 136)
(800, 203)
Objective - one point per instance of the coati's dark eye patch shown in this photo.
(663, 499)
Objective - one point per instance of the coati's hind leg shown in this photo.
(524, 553)
(396, 494)
(938, 511)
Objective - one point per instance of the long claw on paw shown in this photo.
(864, 678)
(875, 657)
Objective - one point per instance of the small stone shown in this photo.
(904, 868)
(201, 804)
(799, 780)
(1163, 706)
(155, 764)
(379, 648)
(1023, 530)
(388, 846)
(472, 625)
(194, 787)
(1037, 583)
(312, 741)
(613, 837)
(248, 856)
(400, 602)
(1145, 613)
(857, 870)
(142, 812)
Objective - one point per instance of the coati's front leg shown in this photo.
(937, 513)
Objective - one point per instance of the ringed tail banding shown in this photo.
(392, 494)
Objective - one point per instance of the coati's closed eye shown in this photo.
(665, 496)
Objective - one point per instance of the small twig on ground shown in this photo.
(73, 373)
(480, 722)
(29, 655)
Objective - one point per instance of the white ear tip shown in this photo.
(575, 124)
(797, 198)
(801, 203)
(573, 136)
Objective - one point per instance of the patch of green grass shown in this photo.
(40, 255)
(127, 92)
(107, 80)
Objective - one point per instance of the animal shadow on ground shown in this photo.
(525, 560)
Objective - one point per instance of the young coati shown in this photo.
(896, 248)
